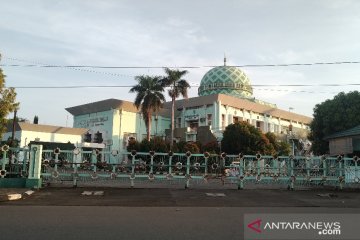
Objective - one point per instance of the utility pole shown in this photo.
(12, 134)
(13, 129)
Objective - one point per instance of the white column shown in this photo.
(35, 162)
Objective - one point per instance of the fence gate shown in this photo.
(112, 168)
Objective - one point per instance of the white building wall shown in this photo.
(267, 122)
(97, 122)
(27, 136)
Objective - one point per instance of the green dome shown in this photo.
(226, 80)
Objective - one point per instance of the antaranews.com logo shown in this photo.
(322, 228)
(301, 226)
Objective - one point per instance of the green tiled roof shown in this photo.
(347, 133)
(226, 80)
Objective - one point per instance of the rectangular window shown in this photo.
(209, 119)
(179, 122)
(276, 128)
(223, 120)
(235, 119)
(194, 126)
(258, 125)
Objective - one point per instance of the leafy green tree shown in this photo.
(14, 144)
(149, 98)
(283, 149)
(280, 148)
(272, 139)
(211, 147)
(133, 145)
(191, 147)
(244, 138)
(36, 120)
(338, 114)
(17, 119)
(178, 86)
(8, 102)
(145, 146)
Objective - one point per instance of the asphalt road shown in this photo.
(101, 222)
(121, 213)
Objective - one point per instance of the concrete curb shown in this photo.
(15, 196)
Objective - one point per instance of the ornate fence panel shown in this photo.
(14, 162)
(112, 168)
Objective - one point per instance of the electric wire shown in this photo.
(123, 86)
(196, 85)
(89, 68)
(34, 64)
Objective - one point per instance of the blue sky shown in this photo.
(175, 33)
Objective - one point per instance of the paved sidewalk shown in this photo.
(145, 197)
(12, 194)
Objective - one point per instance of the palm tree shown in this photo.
(149, 98)
(178, 86)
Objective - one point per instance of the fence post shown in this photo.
(170, 164)
(151, 164)
(34, 178)
(24, 160)
(56, 152)
(206, 166)
(241, 174)
(188, 156)
(94, 160)
(307, 165)
(132, 177)
(324, 178)
(292, 176)
(76, 160)
(341, 180)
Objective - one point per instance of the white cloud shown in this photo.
(173, 33)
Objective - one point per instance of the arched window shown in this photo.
(98, 137)
(87, 137)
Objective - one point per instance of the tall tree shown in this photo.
(36, 120)
(178, 86)
(244, 138)
(149, 98)
(7, 102)
(335, 115)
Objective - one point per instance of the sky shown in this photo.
(168, 33)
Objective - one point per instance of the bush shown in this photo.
(156, 144)
(180, 146)
(133, 145)
(211, 147)
(191, 147)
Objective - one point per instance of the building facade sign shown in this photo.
(92, 122)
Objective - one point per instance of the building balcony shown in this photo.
(191, 131)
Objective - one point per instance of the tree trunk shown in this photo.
(149, 126)
(172, 122)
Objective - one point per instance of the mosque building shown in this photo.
(225, 97)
